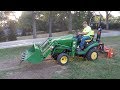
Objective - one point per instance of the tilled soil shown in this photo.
(44, 70)
(25, 70)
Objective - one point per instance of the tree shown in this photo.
(25, 22)
(34, 24)
(4, 17)
(70, 22)
(88, 15)
(107, 19)
(60, 21)
(8, 26)
(78, 18)
(50, 24)
(12, 27)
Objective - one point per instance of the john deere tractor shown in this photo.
(61, 49)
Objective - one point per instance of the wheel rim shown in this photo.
(94, 55)
(64, 59)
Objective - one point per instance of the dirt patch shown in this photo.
(43, 70)
(102, 55)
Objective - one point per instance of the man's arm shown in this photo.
(82, 33)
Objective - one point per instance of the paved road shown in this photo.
(27, 42)
(111, 33)
(19, 43)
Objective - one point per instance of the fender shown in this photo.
(95, 44)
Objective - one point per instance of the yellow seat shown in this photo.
(92, 36)
(88, 40)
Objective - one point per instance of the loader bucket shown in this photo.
(33, 55)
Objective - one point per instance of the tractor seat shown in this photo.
(92, 36)
(89, 40)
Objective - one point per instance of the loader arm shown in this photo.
(38, 53)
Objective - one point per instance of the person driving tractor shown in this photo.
(84, 35)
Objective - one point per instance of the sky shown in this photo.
(114, 13)
(17, 14)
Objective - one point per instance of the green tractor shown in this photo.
(61, 49)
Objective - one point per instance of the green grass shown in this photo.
(11, 53)
(43, 35)
(102, 68)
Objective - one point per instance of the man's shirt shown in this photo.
(87, 29)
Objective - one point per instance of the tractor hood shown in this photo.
(68, 37)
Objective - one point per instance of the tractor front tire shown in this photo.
(54, 56)
(92, 54)
(63, 59)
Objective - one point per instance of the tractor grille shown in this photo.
(23, 56)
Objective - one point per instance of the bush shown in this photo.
(114, 25)
(2, 36)
(95, 25)
(12, 37)
(8, 35)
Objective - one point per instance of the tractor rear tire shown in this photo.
(63, 59)
(92, 54)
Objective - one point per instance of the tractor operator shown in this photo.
(84, 35)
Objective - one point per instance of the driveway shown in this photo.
(110, 33)
(19, 43)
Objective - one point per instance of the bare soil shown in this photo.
(44, 70)
(25, 70)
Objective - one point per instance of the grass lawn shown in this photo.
(11, 53)
(43, 35)
(102, 68)
(53, 34)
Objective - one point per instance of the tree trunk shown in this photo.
(34, 25)
(107, 23)
(50, 24)
(70, 22)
